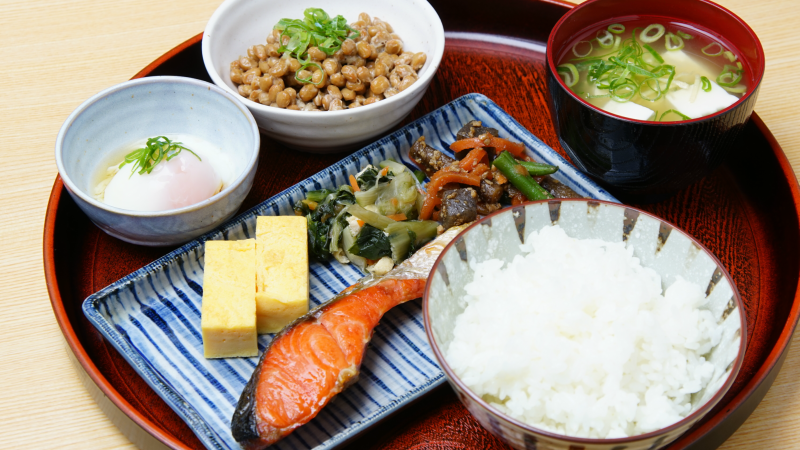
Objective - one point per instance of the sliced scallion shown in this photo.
(673, 42)
(605, 39)
(706, 84)
(736, 89)
(731, 57)
(739, 65)
(648, 38)
(730, 76)
(684, 35)
(616, 28)
(655, 54)
(707, 49)
(676, 112)
(579, 55)
(571, 73)
(657, 93)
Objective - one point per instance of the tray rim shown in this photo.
(768, 369)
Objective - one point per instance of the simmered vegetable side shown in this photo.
(382, 216)
(372, 222)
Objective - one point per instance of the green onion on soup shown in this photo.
(653, 69)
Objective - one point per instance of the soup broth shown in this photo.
(653, 69)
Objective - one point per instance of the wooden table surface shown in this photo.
(56, 54)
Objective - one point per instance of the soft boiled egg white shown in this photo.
(182, 181)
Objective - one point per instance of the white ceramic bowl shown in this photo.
(238, 24)
(658, 245)
(138, 109)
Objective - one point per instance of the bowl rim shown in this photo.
(551, 68)
(696, 415)
(240, 178)
(433, 61)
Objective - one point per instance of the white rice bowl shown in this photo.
(577, 338)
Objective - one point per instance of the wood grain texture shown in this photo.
(55, 54)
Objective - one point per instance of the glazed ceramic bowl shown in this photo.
(640, 160)
(104, 126)
(658, 245)
(239, 24)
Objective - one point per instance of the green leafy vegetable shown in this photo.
(156, 149)
(371, 243)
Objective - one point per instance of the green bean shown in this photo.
(538, 169)
(508, 166)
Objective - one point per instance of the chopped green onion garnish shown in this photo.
(684, 35)
(605, 39)
(616, 28)
(735, 90)
(654, 53)
(624, 91)
(575, 49)
(730, 76)
(571, 71)
(647, 38)
(156, 149)
(739, 65)
(656, 90)
(317, 29)
(674, 111)
(706, 84)
(707, 49)
(673, 42)
(731, 57)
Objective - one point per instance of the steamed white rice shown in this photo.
(576, 337)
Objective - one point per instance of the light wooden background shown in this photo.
(55, 54)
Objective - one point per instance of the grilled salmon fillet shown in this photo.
(319, 355)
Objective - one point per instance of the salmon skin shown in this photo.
(319, 354)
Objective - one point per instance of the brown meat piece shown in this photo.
(485, 209)
(558, 189)
(473, 129)
(490, 191)
(459, 206)
(428, 158)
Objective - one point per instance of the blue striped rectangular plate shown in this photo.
(152, 316)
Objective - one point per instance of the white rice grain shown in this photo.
(575, 337)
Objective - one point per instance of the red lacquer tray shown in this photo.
(746, 213)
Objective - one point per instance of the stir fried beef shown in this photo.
(428, 158)
(473, 129)
(459, 206)
(558, 189)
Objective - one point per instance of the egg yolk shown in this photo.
(182, 181)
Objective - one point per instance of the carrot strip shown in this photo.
(398, 217)
(480, 169)
(354, 184)
(383, 171)
(515, 148)
(440, 179)
(360, 222)
(471, 160)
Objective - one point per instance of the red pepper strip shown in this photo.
(472, 159)
(438, 180)
(515, 148)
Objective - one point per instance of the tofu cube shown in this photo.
(281, 271)
(629, 109)
(228, 312)
(705, 103)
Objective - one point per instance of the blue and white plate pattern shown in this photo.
(152, 316)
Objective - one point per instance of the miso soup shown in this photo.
(654, 69)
